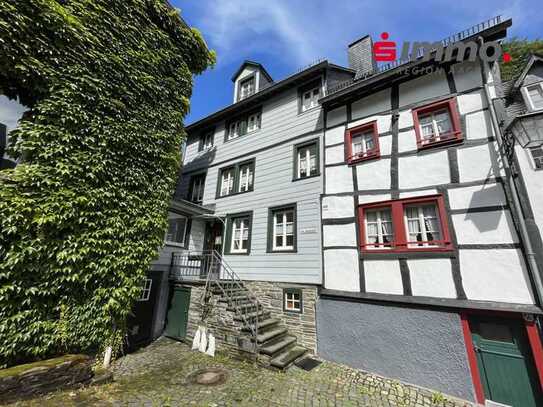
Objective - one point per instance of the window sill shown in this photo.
(282, 251)
(291, 311)
(300, 112)
(448, 141)
(304, 178)
(175, 244)
(227, 140)
(354, 161)
(237, 253)
(447, 248)
(233, 194)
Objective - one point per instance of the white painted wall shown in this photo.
(407, 141)
(383, 276)
(477, 196)
(373, 174)
(495, 275)
(422, 88)
(479, 163)
(467, 75)
(384, 122)
(339, 235)
(424, 170)
(405, 119)
(335, 154)
(484, 227)
(336, 116)
(478, 125)
(339, 179)
(337, 207)
(335, 135)
(341, 270)
(471, 102)
(432, 278)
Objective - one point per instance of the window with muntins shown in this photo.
(236, 179)
(283, 229)
(247, 88)
(310, 98)
(413, 224)
(535, 95)
(292, 300)
(437, 124)
(177, 226)
(537, 156)
(240, 234)
(362, 143)
(243, 125)
(197, 188)
(146, 290)
(206, 141)
(307, 160)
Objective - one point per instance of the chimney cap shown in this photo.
(358, 40)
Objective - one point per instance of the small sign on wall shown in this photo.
(308, 231)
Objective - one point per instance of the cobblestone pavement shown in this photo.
(157, 376)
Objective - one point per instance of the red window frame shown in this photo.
(369, 155)
(452, 137)
(400, 242)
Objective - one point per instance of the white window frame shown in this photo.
(245, 92)
(228, 176)
(307, 158)
(244, 225)
(528, 98)
(313, 97)
(175, 216)
(290, 297)
(422, 225)
(436, 135)
(198, 186)
(534, 160)
(255, 118)
(146, 290)
(284, 234)
(380, 235)
(246, 174)
(207, 141)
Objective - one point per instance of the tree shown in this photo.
(108, 83)
(520, 50)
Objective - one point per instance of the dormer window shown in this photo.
(247, 87)
(309, 96)
(534, 95)
(206, 140)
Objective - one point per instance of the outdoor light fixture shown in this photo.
(528, 129)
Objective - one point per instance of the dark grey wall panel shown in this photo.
(421, 347)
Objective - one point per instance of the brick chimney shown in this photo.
(361, 56)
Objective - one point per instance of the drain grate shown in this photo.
(308, 364)
(207, 377)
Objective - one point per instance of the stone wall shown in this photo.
(45, 376)
(227, 330)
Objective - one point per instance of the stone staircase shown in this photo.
(275, 346)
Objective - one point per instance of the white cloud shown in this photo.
(10, 112)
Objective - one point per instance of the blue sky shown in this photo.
(285, 35)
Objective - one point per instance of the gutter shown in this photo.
(525, 236)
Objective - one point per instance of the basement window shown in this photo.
(292, 300)
(437, 124)
(362, 143)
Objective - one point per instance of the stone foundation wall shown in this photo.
(227, 330)
(45, 376)
(302, 325)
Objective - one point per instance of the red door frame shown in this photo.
(533, 338)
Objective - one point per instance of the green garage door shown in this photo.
(178, 313)
(505, 362)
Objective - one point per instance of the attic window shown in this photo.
(247, 88)
(535, 96)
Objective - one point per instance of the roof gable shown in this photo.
(533, 60)
(260, 67)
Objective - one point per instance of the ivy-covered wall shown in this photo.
(81, 217)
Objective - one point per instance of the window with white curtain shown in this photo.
(207, 140)
(177, 226)
(362, 143)
(245, 177)
(435, 125)
(227, 181)
(307, 160)
(283, 229)
(379, 229)
(243, 125)
(422, 223)
(310, 98)
(535, 95)
(247, 88)
(240, 234)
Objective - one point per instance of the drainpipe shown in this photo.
(528, 248)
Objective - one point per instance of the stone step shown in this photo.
(283, 359)
(277, 344)
(271, 334)
(245, 306)
(263, 324)
(262, 314)
(232, 292)
(242, 298)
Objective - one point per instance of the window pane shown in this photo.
(536, 95)
(443, 122)
(537, 155)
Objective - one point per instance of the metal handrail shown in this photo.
(211, 267)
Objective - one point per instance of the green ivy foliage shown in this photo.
(520, 51)
(82, 216)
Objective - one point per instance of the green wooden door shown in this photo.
(505, 363)
(178, 313)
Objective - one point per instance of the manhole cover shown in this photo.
(208, 377)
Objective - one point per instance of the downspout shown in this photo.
(525, 237)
